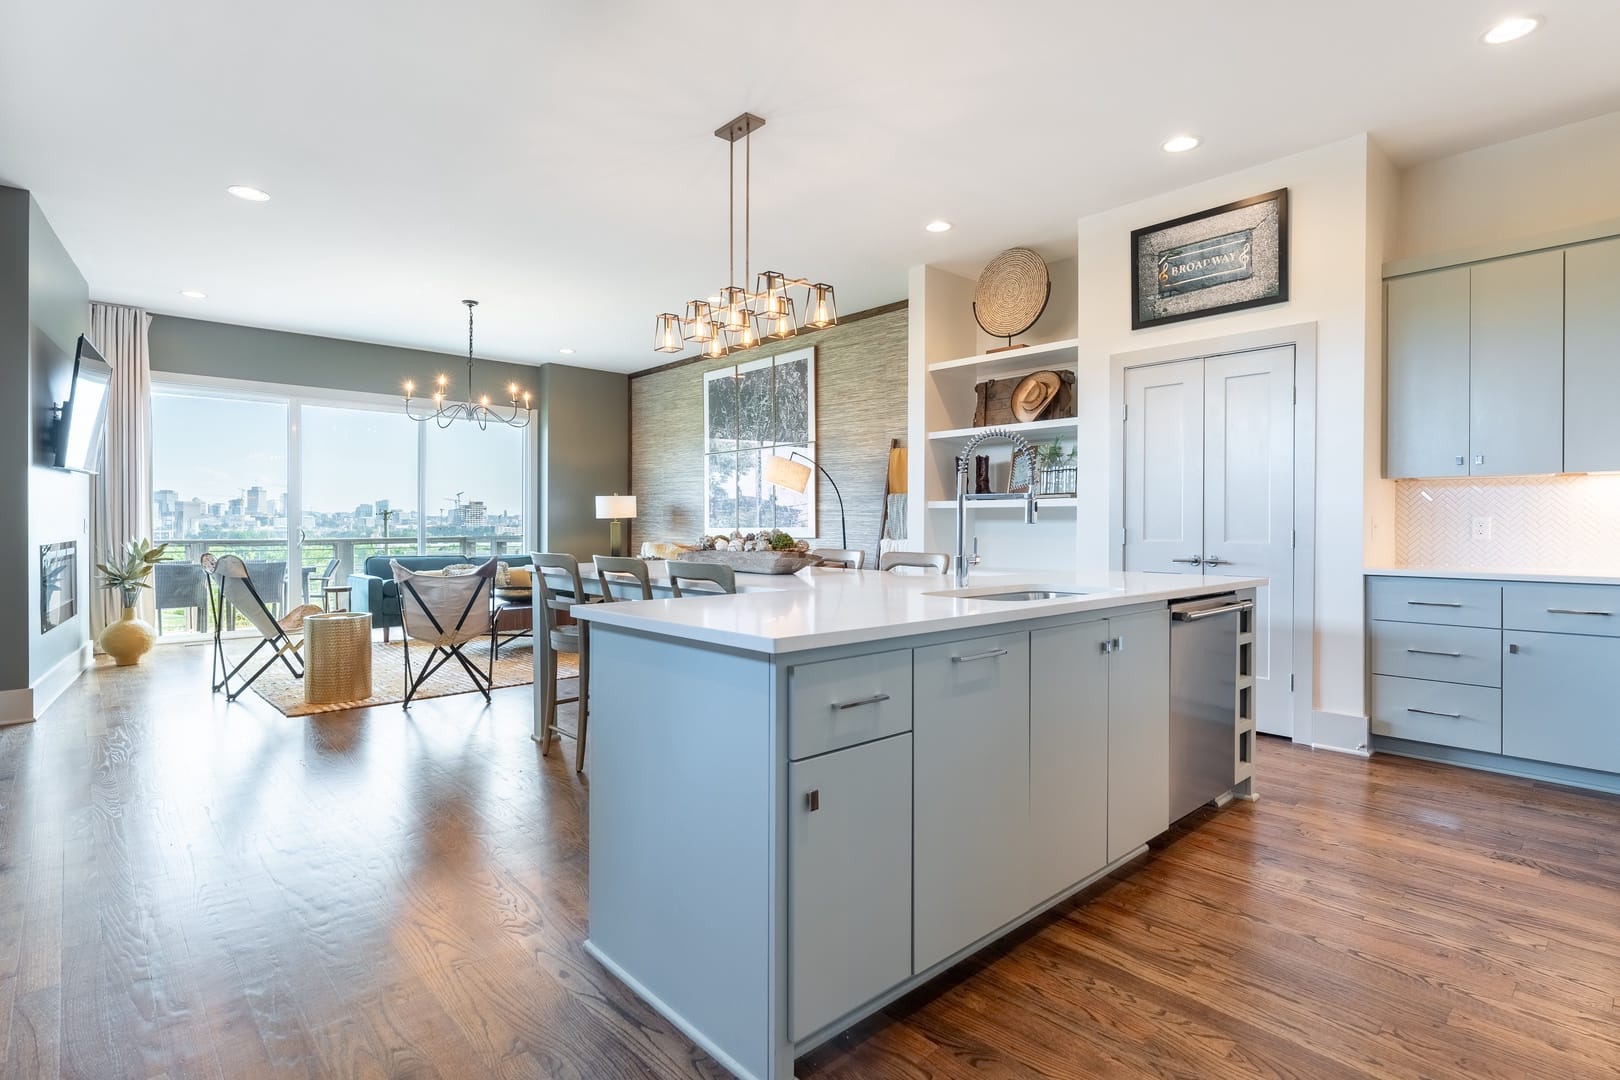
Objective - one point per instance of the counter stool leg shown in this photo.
(584, 695)
(548, 697)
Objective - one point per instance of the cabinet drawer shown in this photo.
(839, 703)
(1445, 714)
(1445, 601)
(1562, 609)
(1457, 654)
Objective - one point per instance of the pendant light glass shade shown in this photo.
(779, 324)
(746, 338)
(770, 290)
(821, 310)
(716, 346)
(667, 337)
(699, 322)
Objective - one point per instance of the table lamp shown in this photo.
(617, 508)
(787, 473)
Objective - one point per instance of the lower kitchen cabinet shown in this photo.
(1138, 730)
(1068, 756)
(849, 879)
(1559, 699)
(971, 822)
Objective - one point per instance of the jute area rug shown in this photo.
(514, 666)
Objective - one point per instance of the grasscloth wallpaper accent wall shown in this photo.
(860, 406)
(1537, 523)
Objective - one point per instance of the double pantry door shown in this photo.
(1209, 490)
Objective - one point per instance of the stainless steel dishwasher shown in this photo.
(1203, 699)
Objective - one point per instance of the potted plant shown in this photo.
(130, 638)
(1058, 468)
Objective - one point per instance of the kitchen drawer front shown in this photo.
(1456, 654)
(1446, 601)
(839, 703)
(1444, 714)
(1562, 609)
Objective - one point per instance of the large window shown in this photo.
(752, 411)
(291, 482)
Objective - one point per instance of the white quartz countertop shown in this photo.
(1562, 577)
(817, 607)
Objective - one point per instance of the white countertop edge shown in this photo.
(1557, 577)
(653, 616)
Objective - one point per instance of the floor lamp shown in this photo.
(618, 509)
(787, 473)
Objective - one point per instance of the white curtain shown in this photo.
(121, 509)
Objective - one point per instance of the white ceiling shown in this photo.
(555, 161)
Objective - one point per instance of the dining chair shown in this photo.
(622, 577)
(554, 576)
(722, 578)
(936, 561)
(447, 614)
(845, 558)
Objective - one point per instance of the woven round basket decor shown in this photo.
(1011, 293)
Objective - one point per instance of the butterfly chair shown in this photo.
(446, 613)
(231, 587)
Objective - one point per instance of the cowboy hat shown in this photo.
(1034, 394)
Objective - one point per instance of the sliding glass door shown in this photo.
(359, 496)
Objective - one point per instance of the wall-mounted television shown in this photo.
(83, 422)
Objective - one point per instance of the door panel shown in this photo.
(1592, 357)
(1249, 505)
(1138, 730)
(1558, 695)
(1068, 756)
(1516, 365)
(1426, 374)
(1164, 439)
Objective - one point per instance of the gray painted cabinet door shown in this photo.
(971, 822)
(1068, 756)
(1426, 376)
(849, 880)
(1516, 365)
(1592, 357)
(1561, 699)
(1138, 730)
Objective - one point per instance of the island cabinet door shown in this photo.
(971, 732)
(1068, 756)
(849, 880)
(1138, 730)
(1559, 699)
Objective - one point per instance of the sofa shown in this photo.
(376, 591)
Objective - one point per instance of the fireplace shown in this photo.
(58, 584)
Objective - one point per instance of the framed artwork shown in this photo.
(1226, 259)
(752, 410)
(58, 584)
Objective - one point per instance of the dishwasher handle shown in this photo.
(1194, 614)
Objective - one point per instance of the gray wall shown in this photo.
(221, 350)
(584, 452)
(860, 406)
(44, 307)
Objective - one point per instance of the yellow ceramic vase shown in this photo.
(128, 639)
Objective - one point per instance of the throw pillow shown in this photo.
(460, 569)
(502, 574)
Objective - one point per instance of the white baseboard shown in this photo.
(1342, 733)
(49, 686)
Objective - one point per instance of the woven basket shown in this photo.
(753, 562)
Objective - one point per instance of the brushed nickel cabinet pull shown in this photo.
(858, 702)
(1432, 603)
(1433, 652)
(1431, 712)
(989, 655)
(812, 800)
(1575, 611)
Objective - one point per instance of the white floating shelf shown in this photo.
(1032, 358)
(1011, 502)
(1034, 427)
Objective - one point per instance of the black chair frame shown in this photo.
(220, 671)
(440, 655)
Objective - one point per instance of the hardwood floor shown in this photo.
(194, 889)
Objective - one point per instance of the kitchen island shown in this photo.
(808, 800)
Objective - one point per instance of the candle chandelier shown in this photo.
(734, 317)
(476, 409)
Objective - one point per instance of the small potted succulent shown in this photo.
(1058, 468)
(130, 638)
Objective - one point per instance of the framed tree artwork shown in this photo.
(1226, 259)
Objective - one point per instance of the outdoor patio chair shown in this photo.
(230, 584)
(447, 614)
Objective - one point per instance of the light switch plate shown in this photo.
(1482, 528)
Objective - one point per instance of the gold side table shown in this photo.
(337, 657)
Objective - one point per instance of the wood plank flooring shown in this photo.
(195, 889)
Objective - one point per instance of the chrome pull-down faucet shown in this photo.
(1020, 446)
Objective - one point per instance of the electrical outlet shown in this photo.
(1482, 528)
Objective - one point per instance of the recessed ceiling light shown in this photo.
(193, 294)
(1511, 29)
(566, 352)
(1180, 144)
(938, 226)
(251, 194)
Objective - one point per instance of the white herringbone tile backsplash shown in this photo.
(1537, 522)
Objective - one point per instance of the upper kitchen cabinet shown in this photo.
(1592, 357)
(1427, 374)
(1516, 365)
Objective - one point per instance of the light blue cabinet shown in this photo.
(1592, 356)
(1426, 374)
(1138, 730)
(1561, 698)
(1068, 756)
(1516, 365)
(971, 824)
